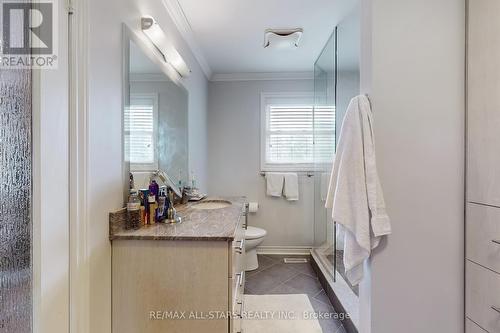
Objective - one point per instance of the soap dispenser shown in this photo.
(172, 217)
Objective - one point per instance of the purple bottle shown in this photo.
(154, 188)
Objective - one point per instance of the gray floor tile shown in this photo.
(283, 289)
(304, 268)
(328, 321)
(276, 277)
(341, 329)
(260, 283)
(280, 272)
(305, 283)
(264, 262)
(322, 297)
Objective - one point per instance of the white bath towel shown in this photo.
(355, 194)
(324, 182)
(291, 190)
(274, 183)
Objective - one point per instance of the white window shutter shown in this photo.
(298, 137)
(140, 132)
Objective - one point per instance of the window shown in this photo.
(294, 136)
(141, 132)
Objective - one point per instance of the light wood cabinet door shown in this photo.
(483, 236)
(482, 298)
(484, 102)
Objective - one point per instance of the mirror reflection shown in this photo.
(155, 121)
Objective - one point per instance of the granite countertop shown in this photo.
(197, 224)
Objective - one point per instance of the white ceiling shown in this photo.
(230, 33)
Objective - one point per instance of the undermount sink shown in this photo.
(212, 204)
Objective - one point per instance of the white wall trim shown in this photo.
(263, 76)
(78, 164)
(36, 215)
(284, 250)
(176, 12)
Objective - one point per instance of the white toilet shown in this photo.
(253, 237)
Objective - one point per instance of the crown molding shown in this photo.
(263, 76)
(175, 11)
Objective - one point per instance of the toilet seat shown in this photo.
(254, 233)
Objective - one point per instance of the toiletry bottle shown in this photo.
(152, 208)
(171, 210)
(133, 210)
(143, 215)
(162, 202)
(131, 181)
(145, 201)
(154, 189)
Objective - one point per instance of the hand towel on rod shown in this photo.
(291, 189)
(274, 183)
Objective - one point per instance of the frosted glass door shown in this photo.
(15, 202)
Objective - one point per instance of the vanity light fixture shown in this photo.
(153, 31)
(282, 38)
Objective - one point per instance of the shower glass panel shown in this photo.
(15, 201)
(336, 82)
(348, 35)
(325, 120)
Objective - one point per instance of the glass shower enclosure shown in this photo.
(336, 82)
(324, 100)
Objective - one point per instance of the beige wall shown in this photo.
(413, 70)
(105, 102)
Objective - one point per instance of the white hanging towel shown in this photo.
(274, 183)
(291, 189)
(355, 194)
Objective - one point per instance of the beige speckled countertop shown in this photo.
(215, 224)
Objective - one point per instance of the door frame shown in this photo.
(78, 166)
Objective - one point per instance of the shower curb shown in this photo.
(337, 305)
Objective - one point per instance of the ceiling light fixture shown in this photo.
(282, 38)
(156, 35)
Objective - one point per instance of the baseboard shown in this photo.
(290, 250)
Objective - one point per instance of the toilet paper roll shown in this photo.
(253, 207)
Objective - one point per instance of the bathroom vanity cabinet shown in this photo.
(181, 278)
(483, 168)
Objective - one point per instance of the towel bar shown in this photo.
(308, 174)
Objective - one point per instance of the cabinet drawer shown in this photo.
(237, 252)
(237, 285)
(236, 305)
(237, 317)
(482, 297)
(471, 327)
(483, 235)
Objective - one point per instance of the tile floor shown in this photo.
(275, 277)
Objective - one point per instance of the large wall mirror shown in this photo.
(155, 116)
